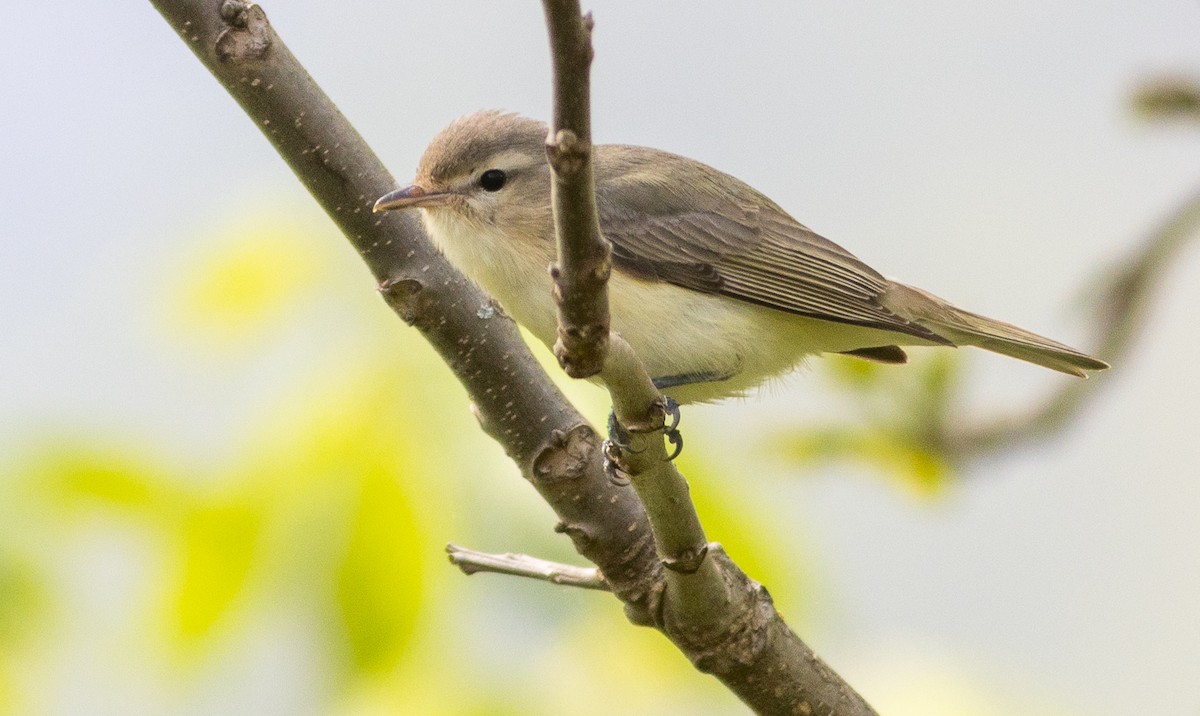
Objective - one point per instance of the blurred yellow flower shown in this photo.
(243, 281)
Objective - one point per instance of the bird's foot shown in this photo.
(619, 439)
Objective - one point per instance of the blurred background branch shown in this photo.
(926, 435)
(1121, 300)
(1168, 98)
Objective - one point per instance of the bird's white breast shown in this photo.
(518, 279)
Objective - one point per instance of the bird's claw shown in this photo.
(670, 409)
(672, 417)
(612, 463)
(675, 438)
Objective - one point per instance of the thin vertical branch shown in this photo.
(584, 256)
(725, 622)
(721, 619)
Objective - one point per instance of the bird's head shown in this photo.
(488, 169)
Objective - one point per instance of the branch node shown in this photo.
(573, 346)
(478, 415)
(401, 294)
(687, 561)
(234, 12)
(721, 648)
(567, 153)
(567, 454)
(579, 534)
(248, 35)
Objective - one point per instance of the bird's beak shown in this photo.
(411, 197)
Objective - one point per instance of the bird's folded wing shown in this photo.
(752, 252)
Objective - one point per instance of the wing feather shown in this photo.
(718, 235)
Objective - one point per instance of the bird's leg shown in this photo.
(619, 438)
(671, 407)
(674, 381)
(617, 434)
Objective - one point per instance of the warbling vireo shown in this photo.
(714, 285)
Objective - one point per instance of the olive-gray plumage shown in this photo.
(715, 286)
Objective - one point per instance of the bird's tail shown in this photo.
(971, 329)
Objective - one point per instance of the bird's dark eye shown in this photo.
(492, 180)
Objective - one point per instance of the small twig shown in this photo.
(584, 256)
(1123, 302)
(522, 565)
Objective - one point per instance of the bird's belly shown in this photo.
(677, 332)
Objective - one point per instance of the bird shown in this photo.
(715, 287)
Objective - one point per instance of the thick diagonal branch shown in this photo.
(516, 402)
(584, 256)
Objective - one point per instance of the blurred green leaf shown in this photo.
(245, 279)
(854, 373)
(219, 542)
(89, 473)
(379, 580)
(365, 434)
(912, 465)
(903, 414)
(22, 599)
